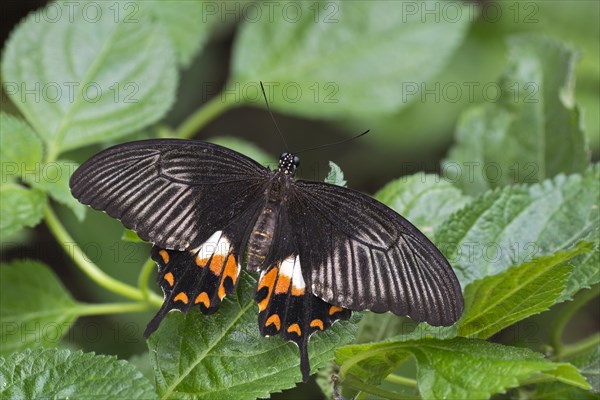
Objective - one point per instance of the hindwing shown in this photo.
(204, 275)
(285, 300)
(288, 308)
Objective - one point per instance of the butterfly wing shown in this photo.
(197, 202)
(285, 303)
(362, 255)
(202, 276)
(173, 193)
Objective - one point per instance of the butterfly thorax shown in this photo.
(288, 164)
(262, 234)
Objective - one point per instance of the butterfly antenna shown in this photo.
(272, 117)
(334, 143)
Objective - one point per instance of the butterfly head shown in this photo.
(288, 163)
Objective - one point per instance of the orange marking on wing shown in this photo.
(267, 281)
(231, 271)
(294, 328)
(203, 298)
(296, 291)
(274, 319)
(201, 262)
(316, 323)
(216, 264)
(164, 255)
(181, 297)
(334, 309)
(283, 284)
(169, 278)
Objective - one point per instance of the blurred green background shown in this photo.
(416, 138)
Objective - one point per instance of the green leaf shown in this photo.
(245, 147)
(495, 302)
(144, 364)
(35, 308)
(426, 200)
(188, 24)
(568, 374)
(587, 272)
(458, 368)
(89, 76)
(513, 225)
(533, 131)
(61, 374)
(223, 356)
(588, 365)
(374, 327)
(334, 58)
(130, 236)
(21, 158)
(335, 175)
(577, 25)
(53, 178)
(19, 207)
(20, 148)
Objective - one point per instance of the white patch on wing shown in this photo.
(291, 269)
(297, 279)
(287, 267)
(216, 244)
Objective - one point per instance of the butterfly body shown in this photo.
(262, 235)
(321, 250)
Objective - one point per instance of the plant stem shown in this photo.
(202, 116)
(109, 308)
(401, 380)
(143, 278)
(89, 268)
(581, 346)
(565, 316)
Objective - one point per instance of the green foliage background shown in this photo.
(501, 179)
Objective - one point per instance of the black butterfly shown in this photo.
(321, 250)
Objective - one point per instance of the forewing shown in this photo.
(173, 193)
(364, 256)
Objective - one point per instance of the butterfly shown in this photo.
(321, 250)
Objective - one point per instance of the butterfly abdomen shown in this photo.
(261, 236)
